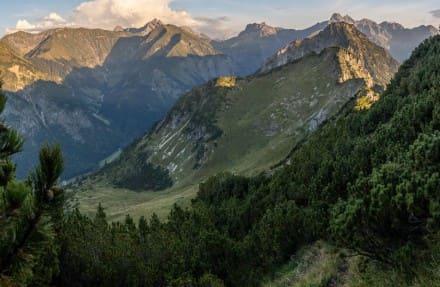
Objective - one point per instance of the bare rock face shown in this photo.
(396, 39)
(352, 67)
(147, 29)
(260, 30)
(118, 29)
(366, 60)
(257, 42)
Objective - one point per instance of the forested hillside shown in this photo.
(366, 182)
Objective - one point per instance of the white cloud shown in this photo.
(108, 14)
(217, 28)
(24, 25)
(128, 13)
(53, 20)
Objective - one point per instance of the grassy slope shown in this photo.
(322, 264)
(262, 118)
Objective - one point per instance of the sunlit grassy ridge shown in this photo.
(246, 128)
(226, 82)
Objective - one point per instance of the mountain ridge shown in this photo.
(245, 125)
(394, 37)
(338, 34)
(150, 71)
(122, 73)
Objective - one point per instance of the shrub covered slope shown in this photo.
(367, 181)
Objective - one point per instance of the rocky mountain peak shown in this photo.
(336, 17)
(154, 23)
(391, 26)
(377, 64)
(147, 28)
(261, 29)
(118, 29)
(342, 33)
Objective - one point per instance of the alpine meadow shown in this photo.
(156, 143)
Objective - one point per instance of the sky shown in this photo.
(217, 18)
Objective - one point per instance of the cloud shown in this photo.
(24, 25)
(128, 13)
(435, 13)
(215, 27)
(53, 20)
(108, 14)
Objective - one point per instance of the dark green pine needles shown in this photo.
(31, 215)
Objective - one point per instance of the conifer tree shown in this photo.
(30, 214)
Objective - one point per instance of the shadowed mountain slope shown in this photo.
(243, 125)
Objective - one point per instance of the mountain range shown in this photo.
(247, 125)
(94, 90)
(97, 89)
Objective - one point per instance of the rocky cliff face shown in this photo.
(257, 42)
(144, 30)
(398, 40)
(374, 64)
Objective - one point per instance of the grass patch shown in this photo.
(315, 265)
(322, 264)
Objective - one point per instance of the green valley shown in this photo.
(244, 125)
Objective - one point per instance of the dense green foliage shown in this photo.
(31, 215)
(142, 175)
(368, 181)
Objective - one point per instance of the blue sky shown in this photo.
(13, 10)
(217, 17)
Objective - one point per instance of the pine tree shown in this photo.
(31, 214)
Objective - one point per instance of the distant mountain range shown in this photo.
(339, 34)
(398, 40)
(247, 125)
(94, 91)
